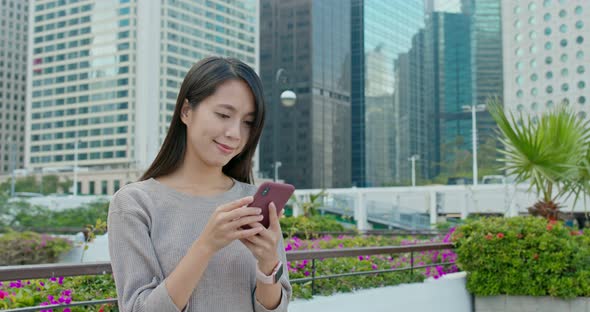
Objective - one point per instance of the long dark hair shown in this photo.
(200, 82)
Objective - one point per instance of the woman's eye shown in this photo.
(224, 116)
(249, 123)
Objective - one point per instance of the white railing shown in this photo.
(420, 207)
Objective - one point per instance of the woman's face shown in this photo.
(219, 127)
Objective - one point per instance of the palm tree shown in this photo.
(550, 152)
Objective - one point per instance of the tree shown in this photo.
(49, 184)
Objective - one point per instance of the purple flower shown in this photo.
(440, 270)
(53, 279)
(17, 284)
(60, 280)
(41, 283)
(288, 248)
(340, 246)
(67, 310)
(449, 234)
(374, 266)
(306, 273)
(361, 258)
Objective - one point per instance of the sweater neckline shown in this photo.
(175, 192)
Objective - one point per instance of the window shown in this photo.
(103, 187)
(91, 186)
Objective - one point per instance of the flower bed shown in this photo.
(303, 268)
(82, 288)
(18, 248)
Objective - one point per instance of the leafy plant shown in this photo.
(99, 228)
(306, 226)
(548, 153)
(31, 248)
(523, 256)
(310, 207)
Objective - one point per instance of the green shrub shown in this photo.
(25, 216)
(304, 226)
(31, 248)
(523, 256)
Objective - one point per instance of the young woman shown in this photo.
(175, 237)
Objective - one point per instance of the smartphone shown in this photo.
(267, 192)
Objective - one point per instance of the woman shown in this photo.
(175, 237)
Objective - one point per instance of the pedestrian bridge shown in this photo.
(421, 207)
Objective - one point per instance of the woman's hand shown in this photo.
(264, 245)
(225, 224)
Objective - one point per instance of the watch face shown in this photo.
(279, 273)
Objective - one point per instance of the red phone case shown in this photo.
(267, 192)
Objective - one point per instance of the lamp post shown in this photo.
(474, 109)
(75, 184)
(413, 159)
(287, 99)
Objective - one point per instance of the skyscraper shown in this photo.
(415, 112)
(105, 74)
(381, 31)
(449, 86)
(13, 68)
(546, 48)
(305, 48)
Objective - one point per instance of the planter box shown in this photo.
(530, 304)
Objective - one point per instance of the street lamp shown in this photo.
(75, 186)
(413, 159)
(474, 109)
(287, 98)
(276, 166)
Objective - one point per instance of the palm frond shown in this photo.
(546, 153)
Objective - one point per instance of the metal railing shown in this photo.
(24, 272)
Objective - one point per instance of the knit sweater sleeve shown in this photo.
(138, 276)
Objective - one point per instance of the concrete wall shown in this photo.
(447, 294)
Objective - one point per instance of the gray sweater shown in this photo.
(151, 226)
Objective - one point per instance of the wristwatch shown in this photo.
(273, 278)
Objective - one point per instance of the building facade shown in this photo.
(305, 48)
(13, 67)
(546, 48)
(104, 75)
(381, 32)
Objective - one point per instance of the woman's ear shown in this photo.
(185, 112)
